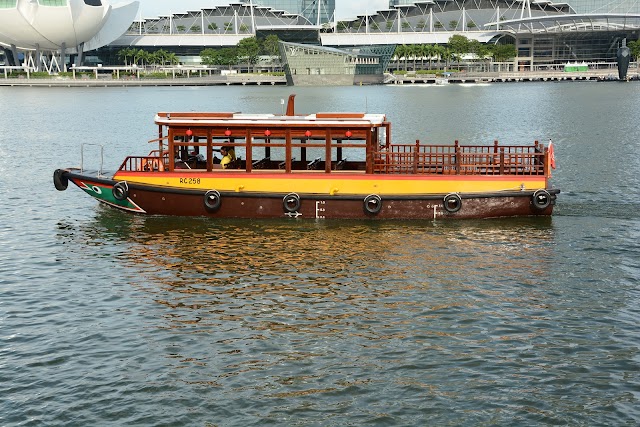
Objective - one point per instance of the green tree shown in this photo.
(181, 28)
(227, 56)
(213, 26)
(125, 54)
(389, 25)
(402, 52)
(426, 51)
(162, 57)
(439, 52)
(171, 59)
(141, 56)
(459, 45)
(209, 56)
(196, 29)
(270, 45)
(244, 28)
(228, 26)
(415, 50)
(249, 49)
(453, 24)
(438, 25)
(634, 45)
(504, 52)
(156, 58)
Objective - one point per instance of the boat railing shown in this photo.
(82, 148)
(151, 163)
(460, 159)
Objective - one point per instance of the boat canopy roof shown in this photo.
(235, 119)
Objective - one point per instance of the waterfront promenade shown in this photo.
(259, 79)
(506, 77)
(109, 81)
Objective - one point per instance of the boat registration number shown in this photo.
(192, 181)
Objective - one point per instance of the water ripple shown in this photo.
(113, 319)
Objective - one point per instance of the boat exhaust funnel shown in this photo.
(291, 105)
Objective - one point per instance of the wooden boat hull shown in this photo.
(150, 199)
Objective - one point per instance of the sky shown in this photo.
(345, 9)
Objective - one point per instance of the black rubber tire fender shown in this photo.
(452, 203)
(541, 199)
(372, 204)
(120, 190)
(291, 203)
(212, 200)
(60, 181)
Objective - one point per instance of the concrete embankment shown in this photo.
(255, 80)
(592, 75)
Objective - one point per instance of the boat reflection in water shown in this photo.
(232, 264)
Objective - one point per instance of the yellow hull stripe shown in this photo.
(334, 183)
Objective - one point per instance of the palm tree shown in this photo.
(403, 51)
(398, 53)
(416, 51)
(142, 56)
(126, 53)
(426, 52)
(171, 58)
(439, 52)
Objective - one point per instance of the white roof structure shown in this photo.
(63, 24)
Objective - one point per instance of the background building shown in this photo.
(318, 12)
(543, 33)
(317, 65)
(393, 3)
(41, 33)
(599, 6)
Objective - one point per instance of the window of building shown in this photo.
(52, 2)
(8, 4)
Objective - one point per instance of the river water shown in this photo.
(112, 319)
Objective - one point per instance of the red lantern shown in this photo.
(227, 132)
(348, 134)
(307, 133)
(267, 132)
(189, 132)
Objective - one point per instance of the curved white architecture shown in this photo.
(63, 24)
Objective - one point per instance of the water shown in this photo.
(112, 319)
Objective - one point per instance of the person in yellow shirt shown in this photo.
(228, 156)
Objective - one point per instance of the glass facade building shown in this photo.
(399, 3)
(318, 12)
(599, 6)
(579, 6)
